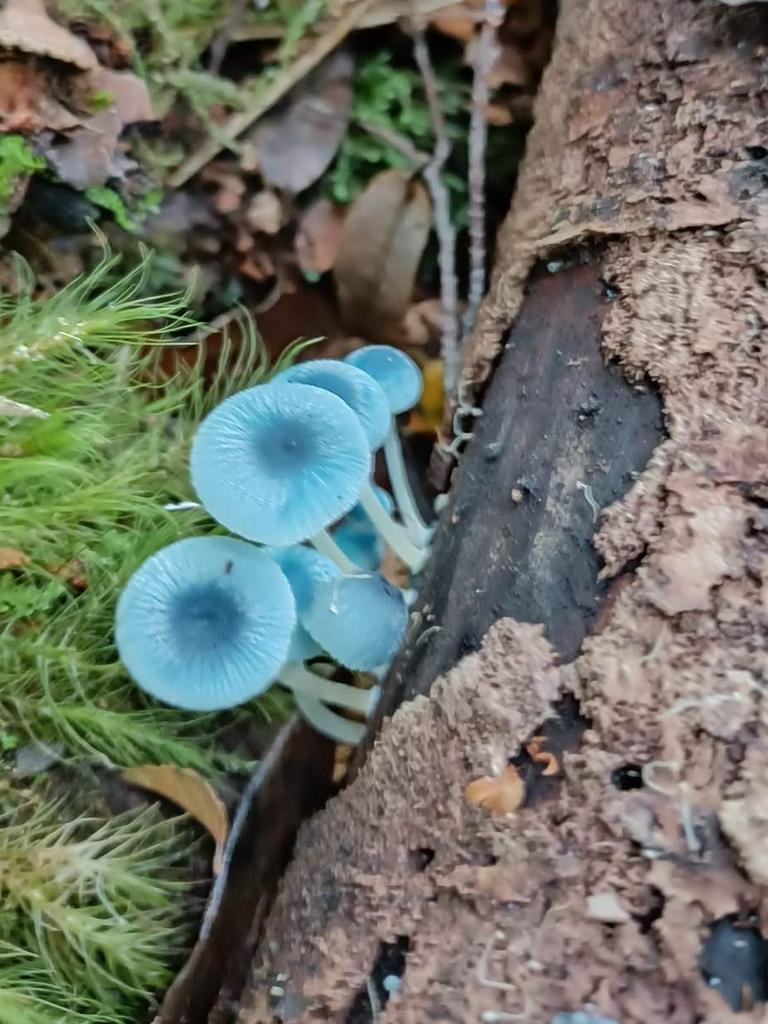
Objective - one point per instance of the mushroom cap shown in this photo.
(358, 538)
(279, 462)
(205, 623)
(358, 389)
(359, 620)
(305, 569)
(364, 549)
(396, 373)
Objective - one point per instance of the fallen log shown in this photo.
(630, 885)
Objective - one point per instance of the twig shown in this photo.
(275, 91)
(398, 142)
(446, 235)
(485, 54)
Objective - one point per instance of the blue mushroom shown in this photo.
(205, 623)
(307, 571)
(354, 387)
(402, 382)
(357, 537)
(394, 371)
(360, 620)
(370, 404)
(278, 463)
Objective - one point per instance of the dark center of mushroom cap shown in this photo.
(205, 618)
(288, 446)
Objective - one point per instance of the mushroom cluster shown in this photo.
(208, 623)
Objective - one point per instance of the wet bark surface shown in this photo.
(563, 434)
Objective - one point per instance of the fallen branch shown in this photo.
(283, 83)
(446, 234)
(484, 56)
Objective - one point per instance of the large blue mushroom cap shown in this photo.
(395, 372)
(355, 387)
(280, 462)
(205, 623)
(359, 620)
(305, 569)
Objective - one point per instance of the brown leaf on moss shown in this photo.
(500, 794)
(190, 791)
(381, 245)
(539, 756)
(12, 558)
(26, 103)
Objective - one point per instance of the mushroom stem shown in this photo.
(301, 680)
(392, 533)
(326, 545)
(417, 529)
(327, 722)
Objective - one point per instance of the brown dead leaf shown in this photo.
(89, 155)
(500, 794)
(129, 93)
(190, 791)
(26, 103)
(319, 236)
(539, 756)
(12, 558)
(26, 25)
(71, 572)
(381, 245)
(296, 142)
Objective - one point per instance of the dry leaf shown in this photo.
(296, 142)
(540, 756)
(89, 155)
(130, 95)
(12, 558)
(190, 791)
(428, 415)
(26, 103)
(381, 245)
(500, 794)
(319, 236)
(25, 25)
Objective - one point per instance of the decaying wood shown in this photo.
(292, 782)
(635, 887)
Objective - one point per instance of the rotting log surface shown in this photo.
(621, 888)
(560, 429)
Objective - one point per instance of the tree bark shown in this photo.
(632, 883)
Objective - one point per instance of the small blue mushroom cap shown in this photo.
(358, 538)
(397, 374)
(280, 462)
(363, 548)
(359, 620)
(205, 623)
(358, 389)
(305, 569)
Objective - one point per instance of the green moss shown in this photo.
(392, 98)
(85, 480)
(109, 200)
(17, 158)
(94, 913)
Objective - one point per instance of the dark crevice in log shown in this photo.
(562, 433)
(290, 784)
